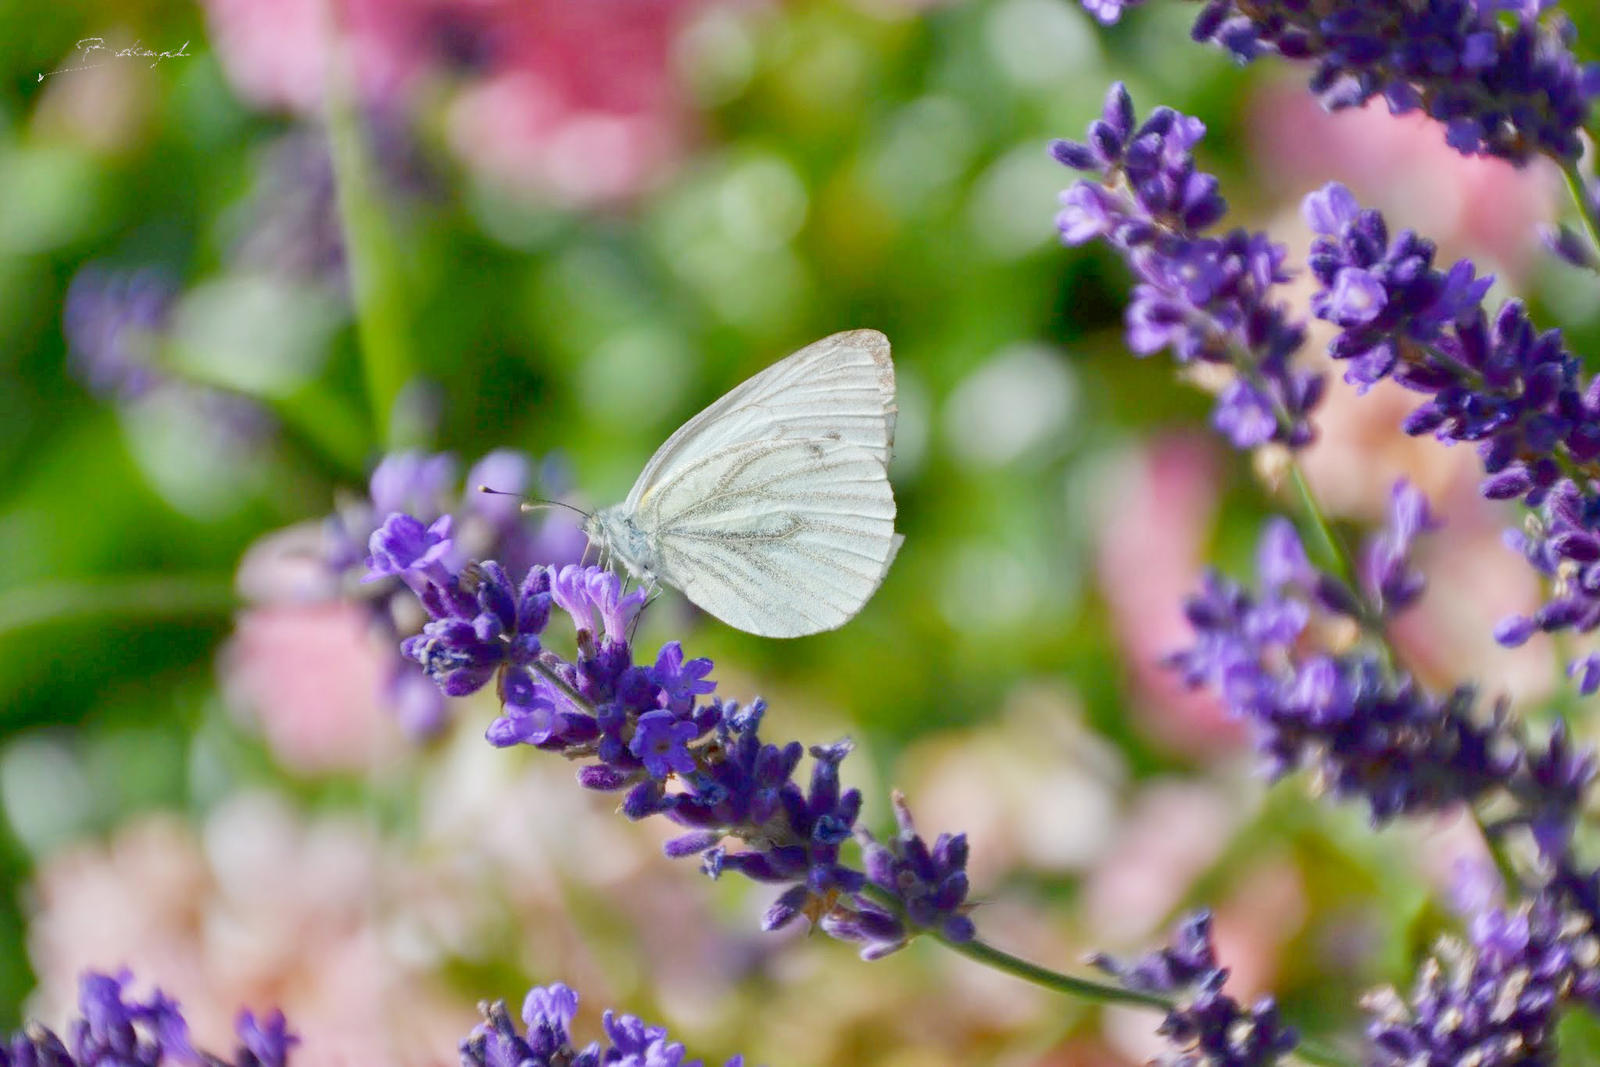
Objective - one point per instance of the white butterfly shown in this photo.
(771, 509)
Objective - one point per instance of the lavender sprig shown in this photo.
(1493, 1001)
(644, 730)
(116, 1030)
(1210, 299)
(1368, 730)
(546, 1038)
(1517, 394)
(1504, 87)
(1205, 1027)
(382, 564)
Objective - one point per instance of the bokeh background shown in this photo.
(584, 221)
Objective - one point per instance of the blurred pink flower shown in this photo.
(1174, 832)
(312, 678)
(276, 51)
(264, 911)
(1009, 783)
(577, 102)
(1480, 207)
(1152, 532)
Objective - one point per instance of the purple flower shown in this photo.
(681, 681)
(1391, 581)
(430, 530)
(414, 553)
(547, 1014)
(1368, 730)
(661, 740)
(481, 625)
(113, 322)
(1495, 1001)
(584, 592)
(927, 883)
(1208, 298)
(264, 1043)
(1506, 89)
(510, 474)
(116, 1030)
(1514, 393)
(1244, 415)
(1109, 11)
(641, 730)
(1567, 245)
(413, 482)
(1206, 1026)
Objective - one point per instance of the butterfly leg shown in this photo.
(651, 590)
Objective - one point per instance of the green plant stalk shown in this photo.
(1586, 209)
(1055, 981)
(377, 289)
(129, 596)
(1101, 992)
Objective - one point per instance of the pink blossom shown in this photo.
(576, 102)
(312, 678)
(263, 911)
(1152, 533)
(1480, 207)
(276, 52)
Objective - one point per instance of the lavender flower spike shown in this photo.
(1494, 1002)
(643, 730)
(546, 1040)
(1518, 395)
(1506, 88)
(116, 1030)
(1210, 299)
(1207, 1026)
(1369, 731)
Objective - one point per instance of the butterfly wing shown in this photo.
(779, 537)
(840, 388)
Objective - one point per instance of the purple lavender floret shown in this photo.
(1208, 298)
(482, 626)
(1496, 1001)
(1506, 88)
(113, 320)
(116, 1030)
(1367, 730)
(1206, 1026)
(1567, 245)
(1391, 580)
(800, 842)
(1186, 961)
(546, 1040)
(404, 548)
(928, 882)
(1109, 11)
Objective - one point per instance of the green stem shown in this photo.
(1102, 992)
(376, 289)
(567, 691)
(1374, 627)
(1333, 548)
(1313, 1053)
(132, 596)
(1055, 981)
(1586, 207)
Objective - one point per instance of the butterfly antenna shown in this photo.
(534, 503)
